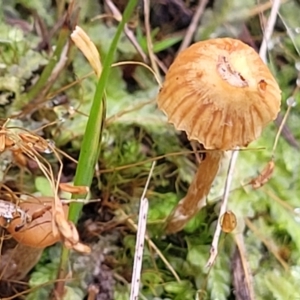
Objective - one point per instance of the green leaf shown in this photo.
(73, 294)
(166, 43)
(43, 186)
(197, 255)
(281, 287)
(219, 278)
(174, 287)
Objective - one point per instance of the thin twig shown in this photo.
(128, 32)
(192, 28)
(230, 173)
(56, 71)
(156, 76)
(269, 30)
(284, 204)
(260, 8)
(168, 155)
(63, 59)
(148, 36)
(239, 240)
(140, 237)
(291, 103)
(268, 243)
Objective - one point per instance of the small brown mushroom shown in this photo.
(37, 233)
(222, 95)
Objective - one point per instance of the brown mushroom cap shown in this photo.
(221, 93)
(37, 233)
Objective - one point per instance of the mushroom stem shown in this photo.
(196, 195)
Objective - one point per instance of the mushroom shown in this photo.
(222, 95)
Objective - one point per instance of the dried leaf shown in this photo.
(264, 176)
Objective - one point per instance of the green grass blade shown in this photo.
(91, 141)
(90, 148)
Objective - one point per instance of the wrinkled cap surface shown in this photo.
(220, 93)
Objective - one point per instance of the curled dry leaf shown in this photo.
(38, 233)
(78, 190)
(30, 141)
(69, 234)
(22, 144)
(79, 247)
(19, 158)
(66, 229)
(264, 176)
(8, 143)
(27, 137)
(2, 142)
(88, 48)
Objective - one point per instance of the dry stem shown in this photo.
(193, 26)
(214, 245)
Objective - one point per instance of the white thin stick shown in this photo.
(153, 246)
(269, 30)
(230, 173)
(140, 238)
(85, 201)
(139, 248)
